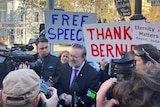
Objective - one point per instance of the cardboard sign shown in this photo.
(123, 7)
(107, 40)
(66, 27)
(146, 33)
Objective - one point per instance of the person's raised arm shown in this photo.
(101, 100)
(53, 100)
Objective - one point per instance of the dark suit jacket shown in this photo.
(87, 78)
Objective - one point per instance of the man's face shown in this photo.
(75, 58)
(64, 57)
(42, 49)
(139, 62)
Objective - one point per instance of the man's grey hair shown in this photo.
(79, 46)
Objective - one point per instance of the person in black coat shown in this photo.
(87, 78)
(50, 68)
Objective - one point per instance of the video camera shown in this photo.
(122, 68)
(44, 88)
(20, 53)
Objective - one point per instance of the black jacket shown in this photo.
(50, 68)
(88, 78)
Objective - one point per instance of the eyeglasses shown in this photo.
(44, 48)
(74, 57)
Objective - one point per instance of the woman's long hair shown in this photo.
(142, 90)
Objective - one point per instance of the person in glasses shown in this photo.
(78, 77)
(146, 55)
(50, 63)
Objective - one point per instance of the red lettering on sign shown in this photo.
(100, 33)
(94, 49)
(117, 32)
(126, 33)
(108, 34)
(119, 50)
(101, 50)
(91, 32)
(109, 50)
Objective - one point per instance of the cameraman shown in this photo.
(142, 90)
(21, 89)
(50, 63)
(139, 55)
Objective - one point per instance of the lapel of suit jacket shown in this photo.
(67, 70)
(82, 72)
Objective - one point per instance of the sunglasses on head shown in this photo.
(144, 53)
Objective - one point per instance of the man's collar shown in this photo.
(79, 68)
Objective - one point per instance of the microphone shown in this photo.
(75, 89)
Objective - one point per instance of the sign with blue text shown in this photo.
(66, 27)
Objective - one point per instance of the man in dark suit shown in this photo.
(74, 92)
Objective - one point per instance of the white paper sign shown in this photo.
(108, 40)
(146, 33)
(66, 27)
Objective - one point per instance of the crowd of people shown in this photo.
(73, 81)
